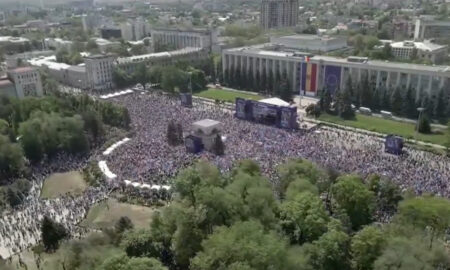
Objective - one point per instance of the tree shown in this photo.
(424, 124)
(295, 169)
(138, 49)
(350, 193)
(123, 224)
(122, 262)
(396, 101)
(366, 92)
(174, 78)
(425, 211)
(303, 218)
(91, 46)
(411, 253)
(298, 186)
(366, 246)
(244, 243)
(441, 104)
(218, 146)
(141, 243)
(409, 104)
(52, 233)
(388, 194)
(344, 104)
(331, 250)
(11, 158)
(141, 75)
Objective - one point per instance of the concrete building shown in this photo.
(90, 21)
(104, 45)
(179, 38)
(309, 74)
(427, 28)
(99, 70)
(26, 80)
(279, 13)
(423, 50)
(14, 41)
(127, 30)
(313, 43)
(108, 33)
(188, 54)
(135, 29)
(57, 44)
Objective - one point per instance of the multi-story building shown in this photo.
(310, 73)
(178, 38)
(313, 43)
(108, 33)
(26, 82)
(421, 50)
(99, 71)
(136, 29)
(428, 28)
(278, 13)
(188, 54)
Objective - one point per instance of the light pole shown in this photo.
(420, 110)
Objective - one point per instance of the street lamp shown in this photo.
(420, 110)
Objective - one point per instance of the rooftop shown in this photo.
(4, 83)
(424, 46)
(144, 57)
(262, 50)
(22, 69)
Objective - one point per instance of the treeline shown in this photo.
(401, 101)
(321, 220)
(170, 78)
(38, 128)
(261, 82)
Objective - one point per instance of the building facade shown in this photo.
(308, 74)
(427, 29)
(178, 39)
(189, 55)
(279, 13)
(27, 81)
(313, 43)
(406, 50)
(99, 71)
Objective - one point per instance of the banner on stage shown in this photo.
(186, 99)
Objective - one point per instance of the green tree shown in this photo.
(52, 233)
(424, 124)
(218, 146)
(355, 198)
(303, 218)
(366, 246)
(174, 78)
(331, 250)
(244, 243)
(409, 104)
(411, 253)
(441, 104)
(11, 158)
(344, 104)
(295, 169)
(425, 211)
(396, 101)
(366, 92)
(122, 262)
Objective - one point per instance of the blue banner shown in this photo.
(332, 79)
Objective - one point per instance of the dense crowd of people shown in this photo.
(20, 229)
(149, 159)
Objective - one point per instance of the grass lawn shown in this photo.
(226, 95)
(386, 126)
(107, 213)
(95, 248)
(62, 183)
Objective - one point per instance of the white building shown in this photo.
(27, 81)
(279, 13)
(314, 43)
(127, 30)
(427, 28)
(99, 70)
(57, 44)
(424, 50)
(188, 54)
(309, 74)
(180, 38)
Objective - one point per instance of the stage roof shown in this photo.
(275, 101)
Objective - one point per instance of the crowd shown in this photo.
(148, 158)
(20, 228)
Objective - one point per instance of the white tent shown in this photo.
(275, 101)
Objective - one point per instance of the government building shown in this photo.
(309, 73)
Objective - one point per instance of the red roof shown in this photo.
(22, 69)
(5, 82)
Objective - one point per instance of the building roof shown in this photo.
(4, 83)
(379, 64)
(144, 57)
(309, 37)
(21, 69)
(423, 46)
(49, 62)
(275, 101)
(206, 123)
